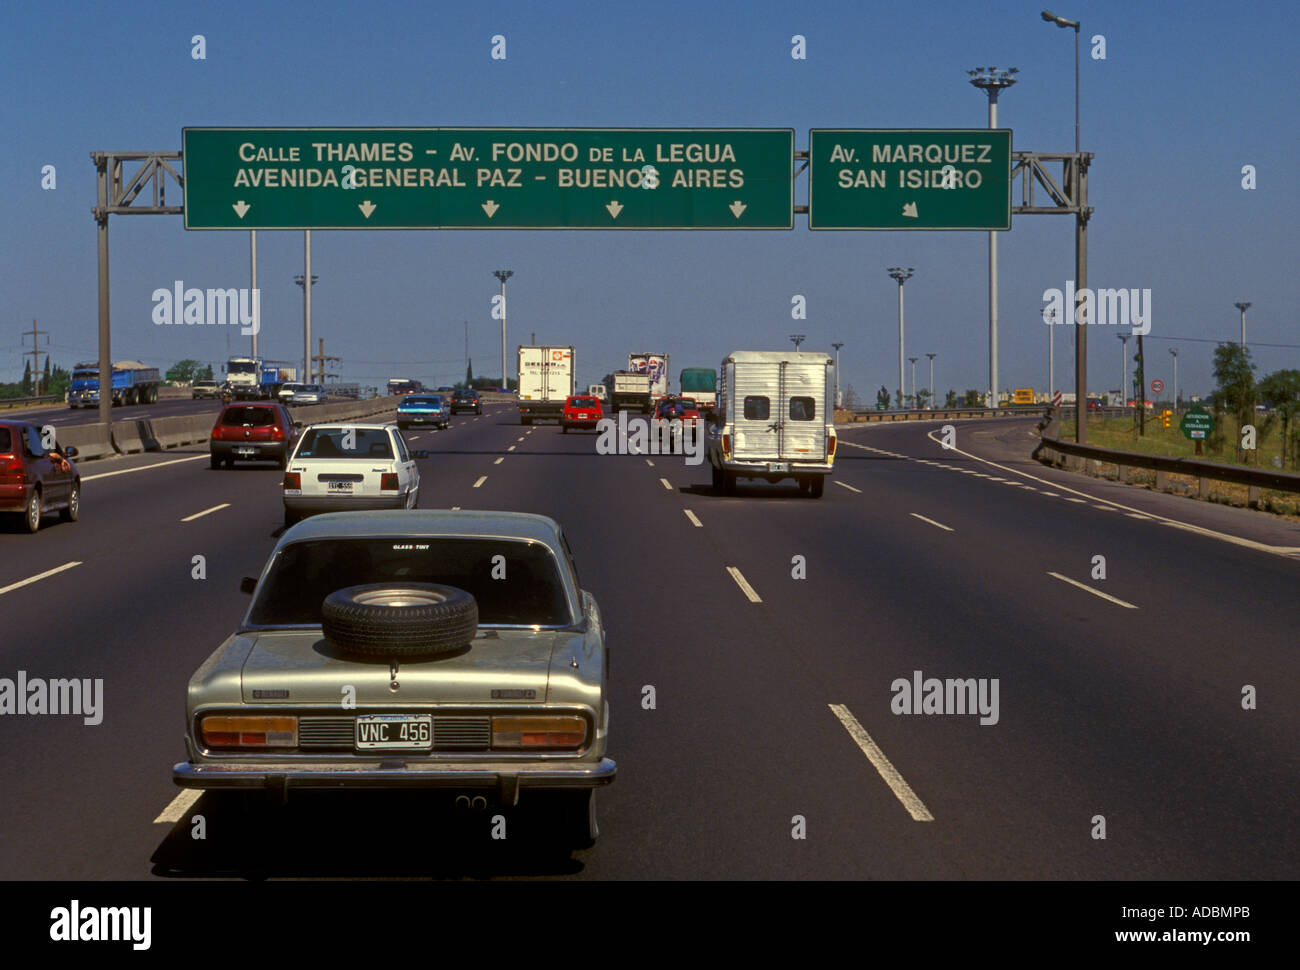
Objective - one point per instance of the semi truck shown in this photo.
(775, 420)
(254, 378)
(133, 383)
(546, 377)
(701, 384)
(656, 365)
(631, 392)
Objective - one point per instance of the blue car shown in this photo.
(423, 409)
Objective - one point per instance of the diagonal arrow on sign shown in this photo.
(615, 207)
(366, 207)
(909, 210)
(241, 208)
(737, 208)
(490, 208)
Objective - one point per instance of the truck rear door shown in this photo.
(757, 394)
(802, 425)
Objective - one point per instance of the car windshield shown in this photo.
(514, 581)
(363, 443)
(583, 402)
(292, 387)
(423, 402)
(248, 417)
(205, 384)
(463, 394)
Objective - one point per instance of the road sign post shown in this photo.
(954, 178)
(1196, 425)
(488, 178)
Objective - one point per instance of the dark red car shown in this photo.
(580, 411)
(32, 480)
(252, 432)
(683, 409)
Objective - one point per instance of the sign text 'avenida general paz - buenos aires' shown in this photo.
(950, 178)
(485, 178)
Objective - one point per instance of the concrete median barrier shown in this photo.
(126, 437)
(181, 430)
(91, 440)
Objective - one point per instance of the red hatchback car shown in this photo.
(252, 432)
(32, 481)
(581, 411)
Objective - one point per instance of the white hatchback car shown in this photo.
(343, 467)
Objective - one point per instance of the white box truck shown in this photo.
(546, 378)
(774, 420)
(656, 365)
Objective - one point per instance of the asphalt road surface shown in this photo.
(771, 627)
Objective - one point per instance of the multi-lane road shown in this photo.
(769, 629)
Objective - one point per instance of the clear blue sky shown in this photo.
(1188, 93)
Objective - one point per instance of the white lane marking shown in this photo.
(1164, 520)
(1138, 515)
(1104, 508)
(521, 439)
(995, 479)
(480, 481)
(849, 487)
(667, 485)
(128, 471)
(1052, 494)
(1094, 592)
(180, 805)
(511, 448)
(650, 463)
(199, 515)
(897, 784)
(694, 521)
(1077, 501)
(455, 508)
(38, 576)
(931, 521)
(499, 460)
(744, 585)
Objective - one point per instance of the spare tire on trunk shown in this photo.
(399, 619)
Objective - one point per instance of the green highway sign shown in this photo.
(488, 178)
(1197, 423)
(931, 178)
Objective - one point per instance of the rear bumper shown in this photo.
(262, 450)
(343, 503)
(761, 469)
(506, 779)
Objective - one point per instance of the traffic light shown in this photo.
(1164, 418)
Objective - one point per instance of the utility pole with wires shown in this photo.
(34, 353)
(321, 358)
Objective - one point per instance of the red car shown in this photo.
(581, 411)
(680, 408)
(32, 480)
(252, 432)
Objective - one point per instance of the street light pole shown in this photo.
(902, 276)
(1051, 354)
(306, 313)
(1174, 351)
(992, 80)
(797, 339)
(913, 360)
(503, 275)
(1243, 307)
(932, 357)
(837, 347)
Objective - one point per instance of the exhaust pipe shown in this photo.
(479, 803)
(462, 803)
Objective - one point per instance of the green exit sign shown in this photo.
(884, 178)
(488, 178)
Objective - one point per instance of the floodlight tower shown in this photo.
(902, 276)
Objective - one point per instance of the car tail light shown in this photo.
(539, 731)
(388, 482)
(11, 468)
(292, 480)
(277, 433)
(726, 447)
(249, 731)
(830, 451)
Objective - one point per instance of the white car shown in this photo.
(309, 394)
(287, 391)
(342, 467)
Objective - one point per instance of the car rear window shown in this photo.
(432, 402)
(583, 402)
(345, 443)
(514, 581)
(257, 417)
(6, 442)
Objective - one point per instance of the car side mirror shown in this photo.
(70, 451)
(248, 584)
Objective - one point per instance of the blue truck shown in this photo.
(133, 383)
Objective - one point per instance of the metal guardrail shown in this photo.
(1077, 457)
(18, 402)
(940, 414)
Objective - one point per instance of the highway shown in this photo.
(62, 416)
(1118, 698)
